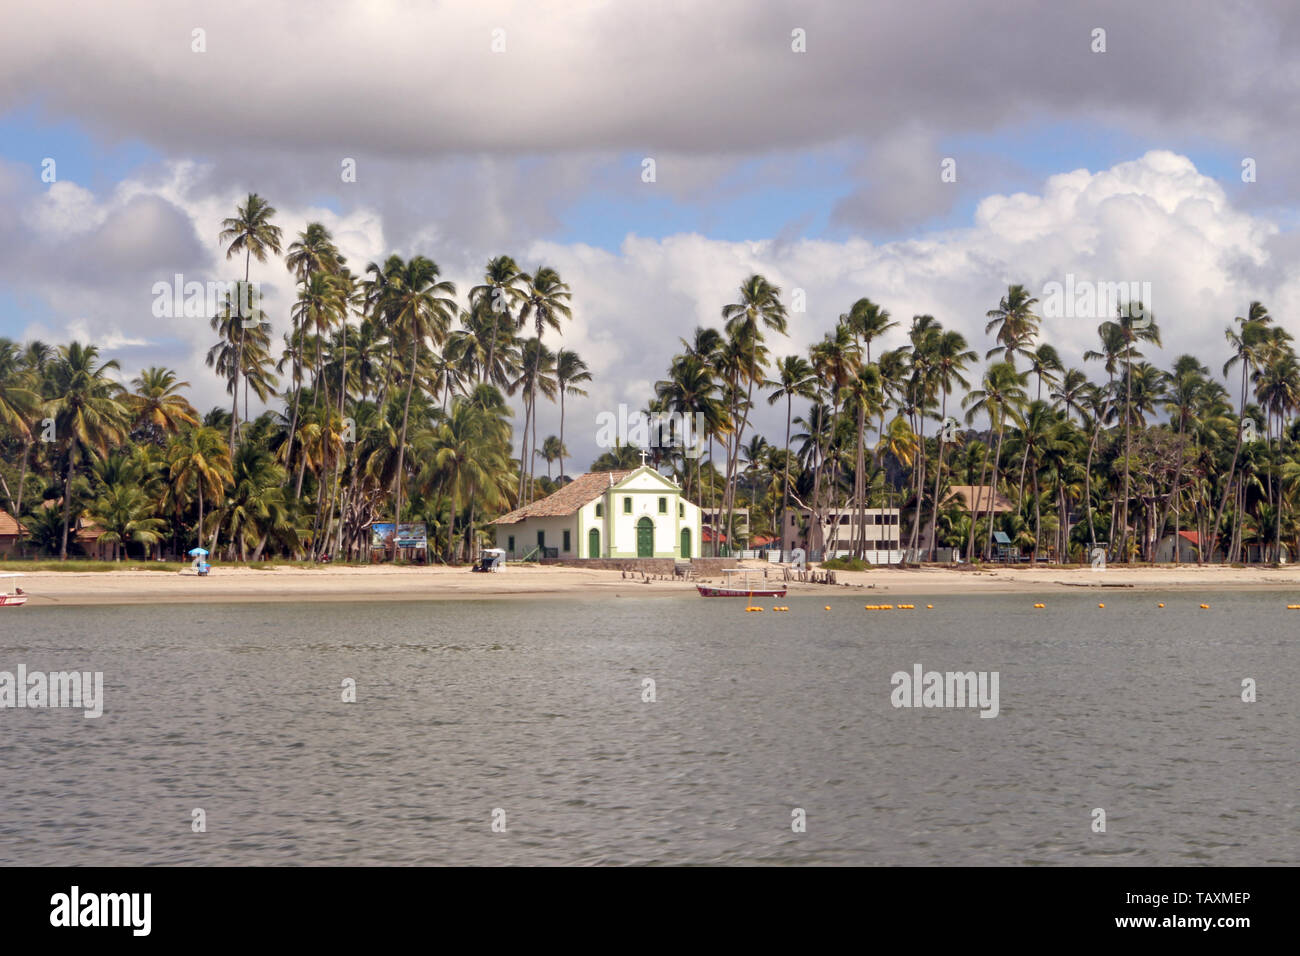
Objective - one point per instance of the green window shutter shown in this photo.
(566, 540)
(663, 506)
(627, 505)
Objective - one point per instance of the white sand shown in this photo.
(381, 582)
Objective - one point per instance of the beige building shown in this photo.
(838, 533)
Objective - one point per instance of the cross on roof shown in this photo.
(643, 456)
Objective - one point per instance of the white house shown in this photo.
(605, 514)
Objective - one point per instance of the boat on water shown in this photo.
(15, 598)
(740, 586)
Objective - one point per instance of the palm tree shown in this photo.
(1135, 325)
(1045, 363)
(88, 417)
(835, 359)
(571, 373)
(862, 395)
(421, 310)
(948, 360)
(504, 285)
(1247, 346)
(1003, 390)
(20, 404)
(759, 307)
(251, 232)
(158, 405)
(200, 460)
(552, 451)
(1016, 324)
(545, 297)
(126, 513)
(868, 322)
(795, 379)
(1184, 387)
(467, 455)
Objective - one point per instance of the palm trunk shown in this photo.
(401, 445)
(859, 485)
(67, 508)
(938, 474)
(974, 506)
(993, 487)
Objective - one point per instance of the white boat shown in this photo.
(740, 587)
(17, 597)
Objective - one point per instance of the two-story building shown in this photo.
(605, 514)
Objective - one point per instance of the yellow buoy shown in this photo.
(1293, 607)
(930, 606)
(1101, 605)
(828, 607)
(1205, 607)
(1040, 605)
(1159, 605)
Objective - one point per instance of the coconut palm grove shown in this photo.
(397, 396)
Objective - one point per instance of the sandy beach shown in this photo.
(287, 584)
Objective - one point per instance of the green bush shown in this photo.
(846, 564)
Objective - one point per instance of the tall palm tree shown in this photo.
(759, 307)
(1247, 346)
(504, 285)
(545, 301)
(1016, 324)
(794, 379)
(948, 360)
(421, 308)
(862, 395)
(1135, 325)
(571, 373)
(251, 232)
(1003, 389)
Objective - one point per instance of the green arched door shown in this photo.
(645, 538)
(593, 543)
(686, 544)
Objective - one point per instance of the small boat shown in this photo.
(17, 598)
(740, 587)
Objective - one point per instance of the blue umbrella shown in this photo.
(202, 551)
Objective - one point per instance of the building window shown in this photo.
(627, 505)
(541, 539)
(566, 541)
(600, 510)
(663, 506)
(510, 544)
(681, 511)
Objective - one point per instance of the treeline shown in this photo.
(388, 398)
(1117, 463)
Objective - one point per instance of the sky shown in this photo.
(925, 155)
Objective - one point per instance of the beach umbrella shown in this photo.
(202, 551)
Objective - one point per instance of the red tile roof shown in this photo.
(582, 490)
(8, 525)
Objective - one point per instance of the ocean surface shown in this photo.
(531, 715)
